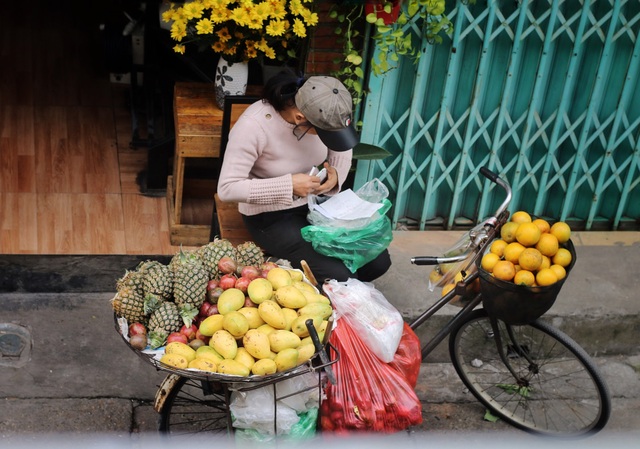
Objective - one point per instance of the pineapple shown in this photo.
(131, 279)
(212, 252)
(165, 320)
(158, 280)
(129, 304)
(190, 280)
(249, 254)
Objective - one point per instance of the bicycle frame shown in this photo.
(479, 237)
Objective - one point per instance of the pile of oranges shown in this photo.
(529, 251)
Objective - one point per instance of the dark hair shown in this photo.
(280, 90)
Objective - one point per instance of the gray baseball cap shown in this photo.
(327, 105)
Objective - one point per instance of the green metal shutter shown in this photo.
(546, 93)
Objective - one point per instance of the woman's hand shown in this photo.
(304, 184)
(330, 182)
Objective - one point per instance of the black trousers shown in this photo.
(278, 234)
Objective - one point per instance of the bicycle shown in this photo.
(521, 368)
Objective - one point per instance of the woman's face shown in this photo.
(294, 116)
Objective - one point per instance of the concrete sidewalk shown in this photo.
(82, 378)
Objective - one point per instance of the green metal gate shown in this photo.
(544, 92)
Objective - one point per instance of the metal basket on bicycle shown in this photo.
(519, 304)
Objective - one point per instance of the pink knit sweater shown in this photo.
(262, 154)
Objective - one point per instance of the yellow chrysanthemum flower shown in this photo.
(193, 10)
(310, 18)
(179, 49)
(218, 47)
(204, 26)
(299, 28)
(224, 35)
(269, 53)
(275, 28)
(239, 16)
(178, 31)
(295, 6)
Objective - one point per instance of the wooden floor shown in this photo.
(68, 176)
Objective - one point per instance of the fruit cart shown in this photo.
(251, 405)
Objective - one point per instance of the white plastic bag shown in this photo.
(254, 409)
(368, 312)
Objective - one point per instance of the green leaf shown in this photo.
(359, 72)
(365, 151)
(490, 417)
(371, 17)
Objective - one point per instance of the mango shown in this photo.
(283, 339)
(299, 325)
(253, 317)
(175, 360)
(235, 323)
(211, 324)
(233, 368)
(203, 365)
(305, 352)
(259, 290)
(231, 300)
(316, 309)
(266, 328)
(304, 286)
(264, 367)
(176, 347)
(271, 312)
(245, 358)
(279, 277)
(286, 359)
(315, 297)
(289, 316)
(291, 297)
(208, 353)
(224, 343)
(296, 275)
(257, 344)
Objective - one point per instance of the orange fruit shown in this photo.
(488, 261)
(530, 259)
(548, 245)
(508, 231)
(546, 262)
(562, 231)
(512, 252)
(524, 277)
(504, 270)
(497, 247)
(545, 277)
(521, 217)
(528, 234)
(559, 271)
(562, 257)
(542, 224)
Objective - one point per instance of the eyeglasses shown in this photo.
(301, 130)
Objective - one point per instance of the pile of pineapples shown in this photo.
(164, 297)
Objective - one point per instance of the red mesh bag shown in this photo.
(370, 395)
(408, 357)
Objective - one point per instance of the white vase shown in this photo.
(231, 79)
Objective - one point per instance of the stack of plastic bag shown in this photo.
(379, 363)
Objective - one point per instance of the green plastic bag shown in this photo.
(355, 246)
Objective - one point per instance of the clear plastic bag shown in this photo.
(355, 242)
(257, 410)
(367, 310)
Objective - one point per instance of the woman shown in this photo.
(299, 124)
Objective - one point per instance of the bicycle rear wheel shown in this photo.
(189, 407)
(559, 390)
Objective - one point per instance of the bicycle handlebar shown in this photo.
(492, 221)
